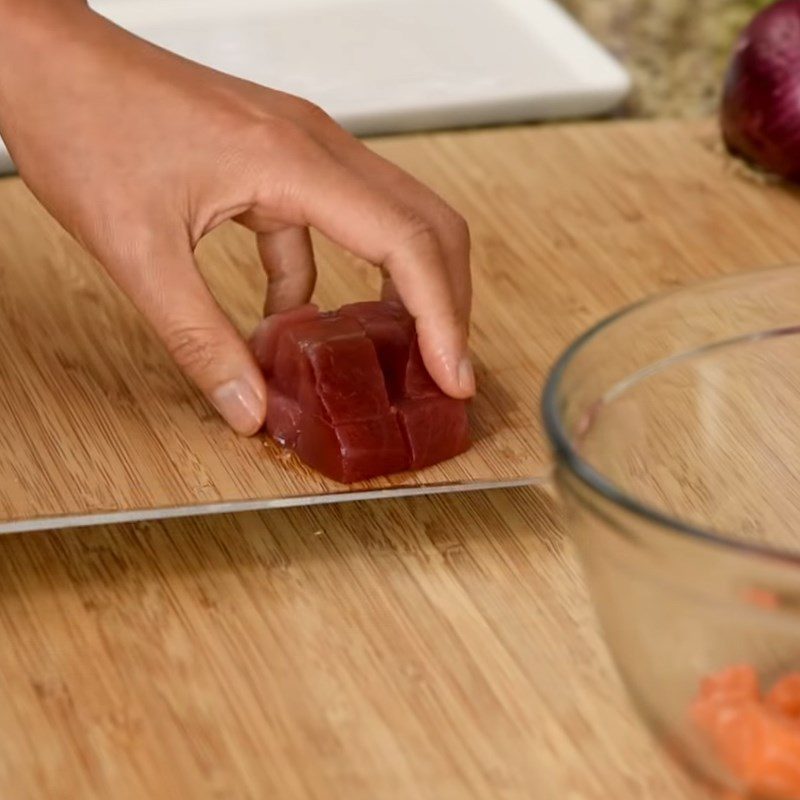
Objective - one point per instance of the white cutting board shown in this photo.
(390, 66)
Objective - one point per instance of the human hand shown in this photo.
(139, 153)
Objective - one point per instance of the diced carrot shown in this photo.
(784, 696)
(775, 769)
(739, 682)
(758, 741)
(735, 734)
(723, 711)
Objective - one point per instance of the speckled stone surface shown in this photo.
(676, 50)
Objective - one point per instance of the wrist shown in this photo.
(37, 43)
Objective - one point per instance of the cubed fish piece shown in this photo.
(295, 339)
(348, 382)
(416, 381)
(284, 417)
(391, 329)
(265, 338)
(435, 429)
(354, 451)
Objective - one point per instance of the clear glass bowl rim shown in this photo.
(567, 456)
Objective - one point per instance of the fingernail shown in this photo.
(240, 405)
(466, 376)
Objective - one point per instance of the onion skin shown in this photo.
(760, 111)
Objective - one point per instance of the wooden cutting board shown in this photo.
(438, 648)
(568, 224)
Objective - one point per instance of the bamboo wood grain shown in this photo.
(435, 649)
(568, 223)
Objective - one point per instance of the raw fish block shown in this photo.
(348, 391)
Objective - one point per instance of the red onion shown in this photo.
(760, 112)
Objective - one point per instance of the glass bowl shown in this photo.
(676, 430)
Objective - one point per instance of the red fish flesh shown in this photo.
(349, 393)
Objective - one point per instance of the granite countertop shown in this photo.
(676, 50)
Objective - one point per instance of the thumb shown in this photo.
(201, 339)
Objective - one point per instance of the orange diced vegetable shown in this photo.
(784, 696)
(757, 739)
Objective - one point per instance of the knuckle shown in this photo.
(454, 227)
(312, 115)
(418, 231)
(459, 227)
(277, 134)
(191, 347)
